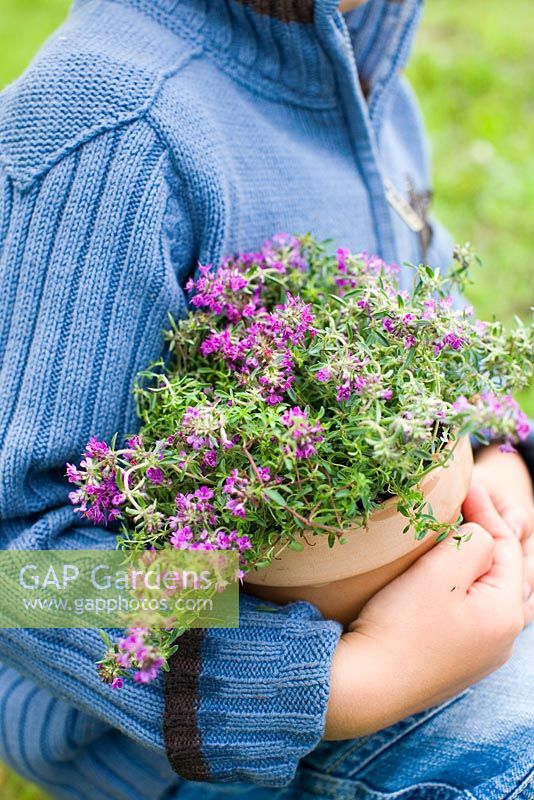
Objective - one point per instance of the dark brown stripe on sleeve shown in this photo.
(180, 728)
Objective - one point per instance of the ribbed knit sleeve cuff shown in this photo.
(246, 704)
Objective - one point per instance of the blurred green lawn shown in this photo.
(472, 69)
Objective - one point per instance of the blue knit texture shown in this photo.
(148, 135)
(276, 688)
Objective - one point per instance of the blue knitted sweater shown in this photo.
(149, 135)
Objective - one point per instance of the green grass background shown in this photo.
(472, 69)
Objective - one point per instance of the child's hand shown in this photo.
(448, 621)
(507, 480)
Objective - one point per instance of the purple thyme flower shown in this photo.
(306, 434)
(376, 265)
(283, 252)
(155, 475)
(323, 375)
(507, 447)
(124, 660)
(96, 449)
(362, 269)
(149, 669)
(195, 508)
(291, 322)
(73, 474)
(237, 486)
(233, 541)
(136, 447)
(453, 340)
(236, 507)
(134, 641)
(496, 417)
(201, 426)
(181, 537)
(344, 391)
(342, 254)
(388, 325)
(99, 501)
(461, 404)
(359, 384)
(228, 291)
(210, 459)
(430, 309)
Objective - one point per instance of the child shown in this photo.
(149, 135)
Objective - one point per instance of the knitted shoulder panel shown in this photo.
(104, 67)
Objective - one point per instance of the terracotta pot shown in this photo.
(339, 580)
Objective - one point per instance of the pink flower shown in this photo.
(236, 507)
(342, 254)
(306, 434)
(344, 392)
(96, 449)
(73, 474)
(210, 459)
(155, 475)
(388, 325)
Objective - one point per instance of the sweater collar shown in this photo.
(286, 45)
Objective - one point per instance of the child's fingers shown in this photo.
(507, 568)
(517, 518)
(478, 507)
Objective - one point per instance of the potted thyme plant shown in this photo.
(314, 416)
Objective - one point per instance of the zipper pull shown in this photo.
(409, 215)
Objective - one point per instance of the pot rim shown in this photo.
(430, 477)
(380, 542)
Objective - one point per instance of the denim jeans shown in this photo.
(477, 746)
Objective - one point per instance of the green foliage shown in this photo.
(14, 788)
(380, 381)
(24, 24)
(472, 72)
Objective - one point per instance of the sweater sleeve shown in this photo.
(256, 696)
(93, 256)
(86, 282)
